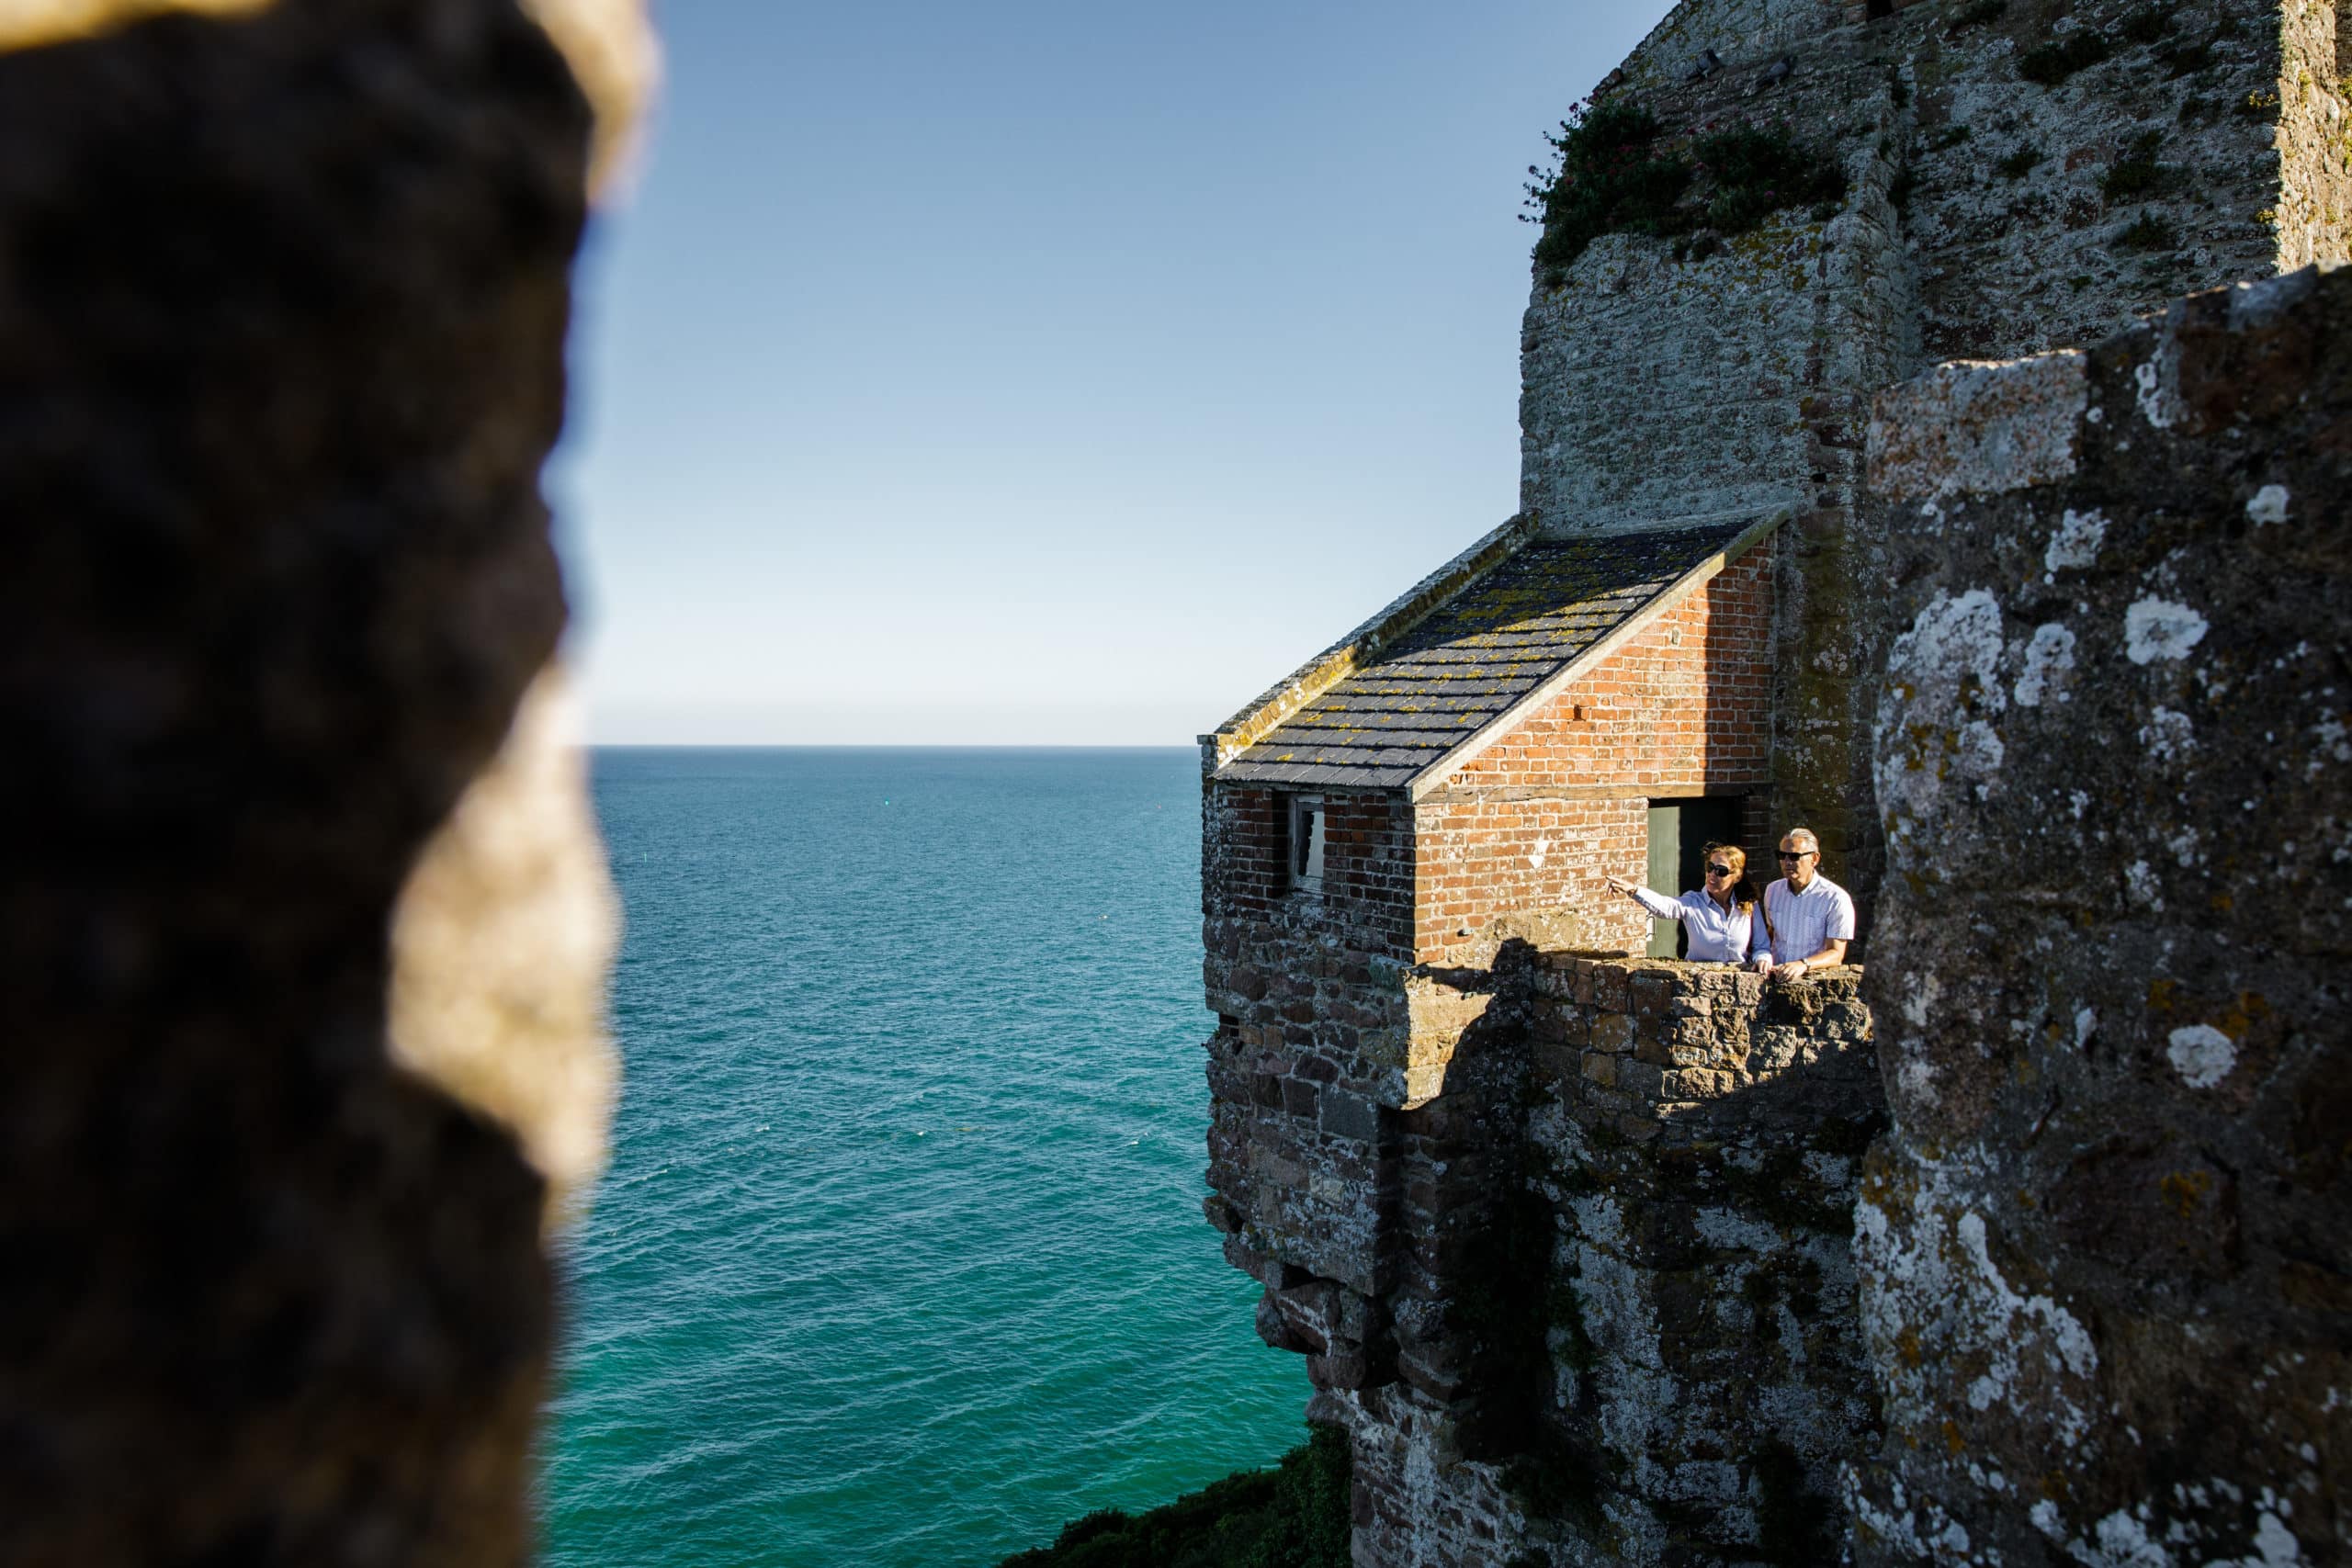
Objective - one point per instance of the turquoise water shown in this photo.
(900, 1259)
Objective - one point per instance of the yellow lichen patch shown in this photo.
(31, 24)
(2185, 1190)
(2239, 1020)
(1907, 1347)
(2161, 994)
(1952, 1439)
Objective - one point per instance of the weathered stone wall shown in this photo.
(1621, 1322)
(2107, 1275)
(1314, 1028)
(1997, 205)
(283, 294)
(1701, 1151)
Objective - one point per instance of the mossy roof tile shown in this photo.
(1471, 658)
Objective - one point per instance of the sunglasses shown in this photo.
(1794, 855)
(1718, 870)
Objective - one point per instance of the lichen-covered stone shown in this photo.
(2106, 1275)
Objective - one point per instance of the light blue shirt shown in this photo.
(1717, 936)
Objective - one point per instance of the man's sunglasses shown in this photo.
(1794, 855)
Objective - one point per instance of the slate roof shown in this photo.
(1442, 680)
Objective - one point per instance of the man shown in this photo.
(1812, 917)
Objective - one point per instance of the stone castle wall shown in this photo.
(1621, 1327)
(1991, 210)
(2099, 639)
(2106, 1277)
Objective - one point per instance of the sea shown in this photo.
(899, 1258)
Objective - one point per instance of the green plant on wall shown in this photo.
(1617, 171)
(1609, 178)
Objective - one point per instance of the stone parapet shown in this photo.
(2105, 1276)
(1610, 1312)
(1698, 1142)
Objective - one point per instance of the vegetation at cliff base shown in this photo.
(1294, 1516)
(1618, 172)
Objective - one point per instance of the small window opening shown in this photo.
(1307, 842)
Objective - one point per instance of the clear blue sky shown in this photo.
(1046, 372)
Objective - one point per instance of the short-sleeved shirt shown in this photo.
(1804, 924)
(1717, 936)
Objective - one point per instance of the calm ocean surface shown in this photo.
(900, 1259)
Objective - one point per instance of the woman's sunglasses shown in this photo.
(1718, 870)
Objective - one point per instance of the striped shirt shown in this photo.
(1717, 936)
(1804, 924)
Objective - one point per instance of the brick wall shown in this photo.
(1539, 817)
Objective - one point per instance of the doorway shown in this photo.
(1680, 831)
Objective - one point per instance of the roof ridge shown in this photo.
(1412, 689)
(1266, 712)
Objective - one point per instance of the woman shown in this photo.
(1725, 919)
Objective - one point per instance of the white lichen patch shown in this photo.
(2122, 1542)
(1947, 671)
(2139, 882)
(2049, 666)
(1943, 1321)
(2077, 541)
(2330, 743)
(2158, 628)
(2159, 400)
(1917, 1081)
(2268, 505)
(2201, 1054)
(2167, 737)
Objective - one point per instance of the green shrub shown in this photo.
(2147, 232)
(1608, 178)
(1976, 16)
(1294, 1516)
(1615, 176)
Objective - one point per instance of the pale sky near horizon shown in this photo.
(1046, 373)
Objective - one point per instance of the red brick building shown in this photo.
(1463, 769)
(1540, 715)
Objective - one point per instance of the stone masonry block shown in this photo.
(1612, 1031)
(1347, 1115)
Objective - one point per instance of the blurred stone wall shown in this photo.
(283, 297)
(2107, 1272)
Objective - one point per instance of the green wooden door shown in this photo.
(1665, 866)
